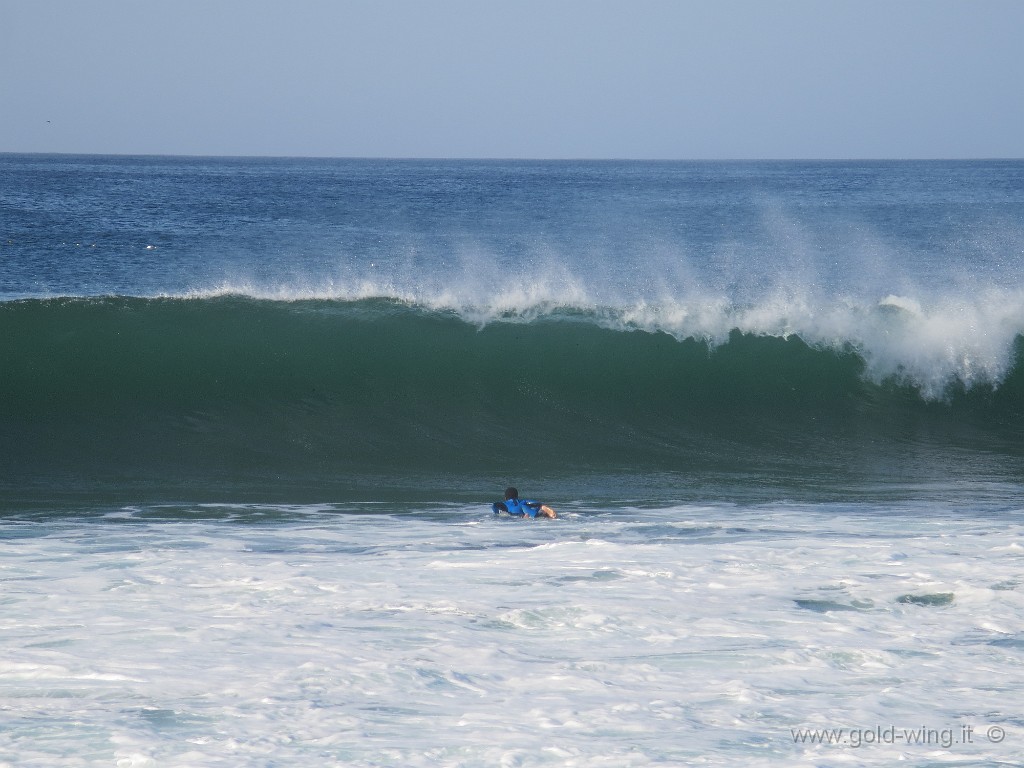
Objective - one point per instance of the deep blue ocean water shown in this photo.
(281, 329)
(253, 413)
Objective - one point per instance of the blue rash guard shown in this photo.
(517, 507)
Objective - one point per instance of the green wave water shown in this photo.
(235, 398)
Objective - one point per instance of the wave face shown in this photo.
(278, 329)
(233, 394)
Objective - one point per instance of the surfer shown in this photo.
(517, 507)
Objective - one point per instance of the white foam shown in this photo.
(590, 640)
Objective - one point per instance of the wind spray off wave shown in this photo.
(927, 340)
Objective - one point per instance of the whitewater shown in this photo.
(355, 635)
(253, 413)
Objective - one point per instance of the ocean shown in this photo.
(253, 413)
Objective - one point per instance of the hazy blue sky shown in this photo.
(519, 78)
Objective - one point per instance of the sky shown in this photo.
(643, 79)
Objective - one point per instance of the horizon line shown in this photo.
(512, 158)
